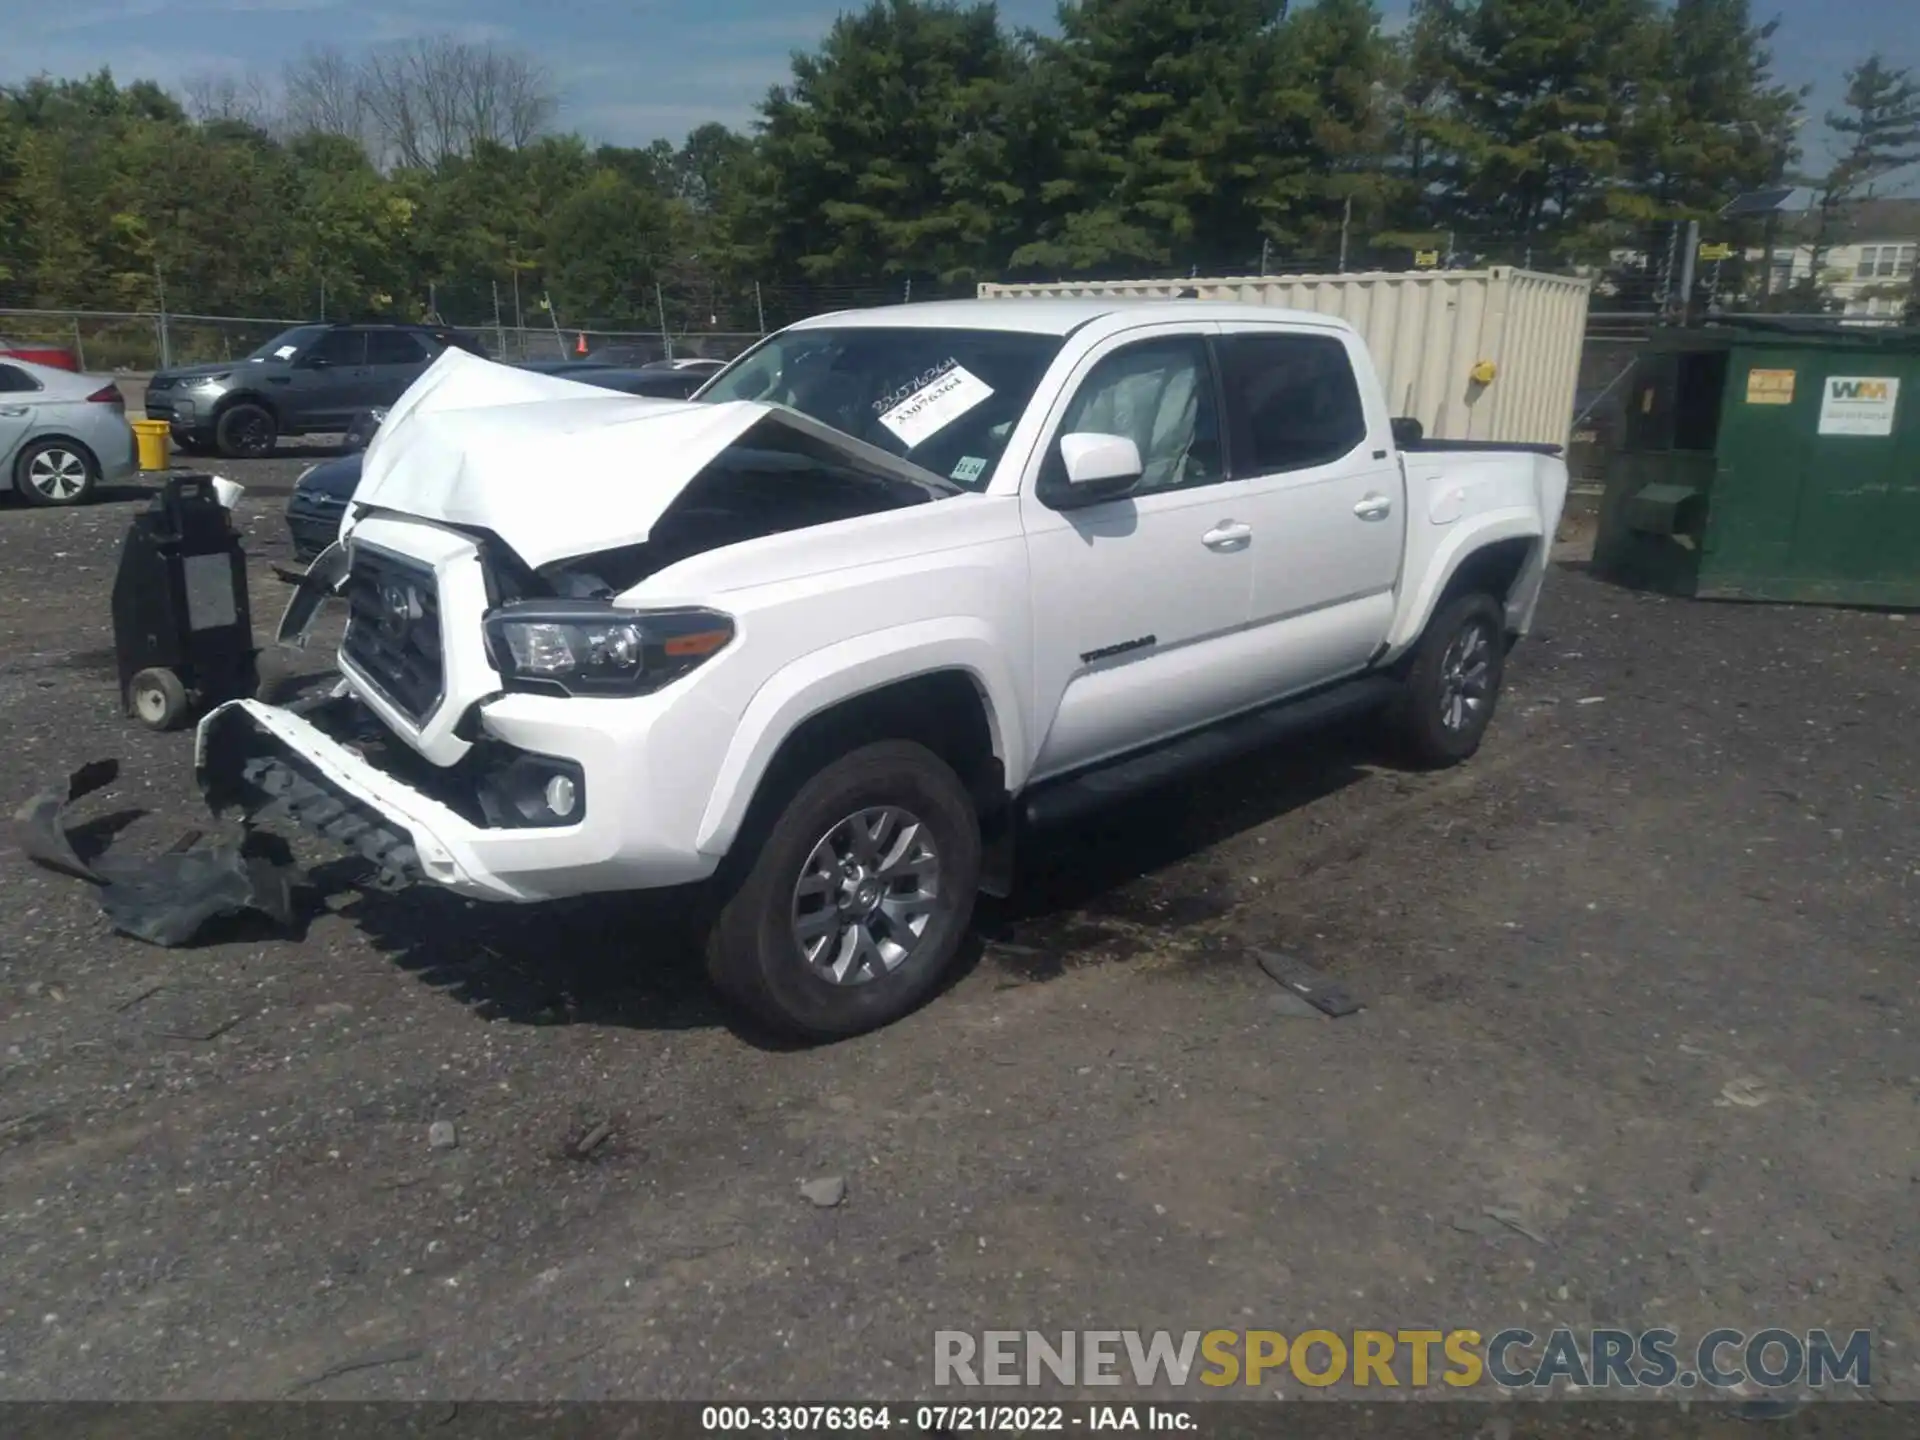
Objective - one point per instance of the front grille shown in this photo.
(393, 629)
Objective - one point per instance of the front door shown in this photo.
(1325, 492)
(1136, 600)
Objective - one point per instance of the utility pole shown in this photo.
(1266, 249)
(1346, 223)
(160, 289)
(660, 300)
(909, 295)
(1449, 249)
(323, 297)
(1686, 269)
(559, 345)
(499, 330)
(759, 309)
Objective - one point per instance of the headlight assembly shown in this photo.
(587, 647)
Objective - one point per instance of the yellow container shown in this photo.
(155, 438)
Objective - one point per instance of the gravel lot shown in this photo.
(1684, 862)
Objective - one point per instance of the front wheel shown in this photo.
(246, 432)
(1448, 694)
(858, 896)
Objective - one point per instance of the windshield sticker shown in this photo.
(970, 468)
(284, 351)
(938, 401)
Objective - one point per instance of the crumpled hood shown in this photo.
(556, 468)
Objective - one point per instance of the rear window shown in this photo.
(1292, 401)
(15, 381)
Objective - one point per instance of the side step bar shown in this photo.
(1060, 801)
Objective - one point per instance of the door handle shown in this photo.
(14, 411)
(1374, 507)
(1227, 535)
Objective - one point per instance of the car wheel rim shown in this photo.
(1466, 677)
(57, 474)
(866, 895)
(152, 705)
(255, 434)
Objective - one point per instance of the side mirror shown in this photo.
(1408, 432)
(1098, 467)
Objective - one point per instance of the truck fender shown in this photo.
(1462, 541)
(842, 672)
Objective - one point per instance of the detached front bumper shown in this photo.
(417, 822)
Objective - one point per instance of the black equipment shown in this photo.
(181, 622)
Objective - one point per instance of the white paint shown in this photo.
(936, 405)
(1185, 628)
(1859, 405)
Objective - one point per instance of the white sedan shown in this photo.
(61, 434)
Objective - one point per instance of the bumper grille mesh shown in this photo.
(393, 630)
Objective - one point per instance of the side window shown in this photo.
(394, 347)
(341, 347)
(1292, 401)
(15, 381)
(1159, 394)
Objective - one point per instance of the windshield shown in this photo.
(945, 399)
(288, 343)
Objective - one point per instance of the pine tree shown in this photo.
(1882, 119)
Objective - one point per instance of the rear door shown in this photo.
(395, 359)
(326, 381)
(1324, 493)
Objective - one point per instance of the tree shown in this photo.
(437, 98)
(1712, 123)
(884, 154)
(1536, 101)
(608, 243)
(1881, 122)
(323, 92)
(1157, 106)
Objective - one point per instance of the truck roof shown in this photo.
(1055, 317)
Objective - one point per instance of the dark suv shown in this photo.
(310, 379)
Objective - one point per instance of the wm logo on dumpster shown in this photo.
(1868, 390)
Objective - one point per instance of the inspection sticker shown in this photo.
(936, 405)
(970, 469)
(1859, 405)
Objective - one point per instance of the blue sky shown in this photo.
(631, 70)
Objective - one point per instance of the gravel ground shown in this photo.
(1683, 869)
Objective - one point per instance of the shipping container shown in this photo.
(1471, 354)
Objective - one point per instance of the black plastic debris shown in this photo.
(163, 899)
(1324, 994)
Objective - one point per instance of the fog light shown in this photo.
(561, 796)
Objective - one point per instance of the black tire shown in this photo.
(753, 954)
(56, 472)
(1452, 683)
(246, 432)
(158, 699)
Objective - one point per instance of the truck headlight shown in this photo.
(587, 647)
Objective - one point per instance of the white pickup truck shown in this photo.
(893, 586)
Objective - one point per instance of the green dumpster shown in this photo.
(1768, 461)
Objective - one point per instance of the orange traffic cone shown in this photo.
(581, 348)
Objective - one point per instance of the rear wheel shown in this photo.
(856, 898)
(246, 432)
(55, 472)
(1450, 689)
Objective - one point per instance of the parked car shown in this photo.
(54, 357)
(321, 493)
(61, 433)
(307, 380)
(899, 585)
